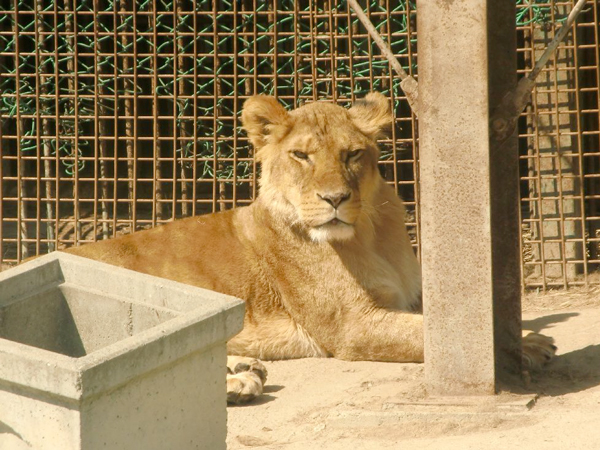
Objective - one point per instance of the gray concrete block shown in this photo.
(95, 356)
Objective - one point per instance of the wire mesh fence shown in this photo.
(120, 115)
(559, 150)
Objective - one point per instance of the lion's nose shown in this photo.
(335, 199)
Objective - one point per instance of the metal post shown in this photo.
(469, 196)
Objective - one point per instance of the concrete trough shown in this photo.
(95, 356)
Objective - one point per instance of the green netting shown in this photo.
(299, 59)
(538, 12)
(205, 67)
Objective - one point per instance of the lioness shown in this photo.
(322, 257)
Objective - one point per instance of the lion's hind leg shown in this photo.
(245, 379)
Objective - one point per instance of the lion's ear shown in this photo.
(263, 118)
(372, 115)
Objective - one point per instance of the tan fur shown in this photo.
(343, 290)
(348, 288)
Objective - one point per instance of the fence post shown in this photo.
(469, 196)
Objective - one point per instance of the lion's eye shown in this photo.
(354, 154)
(300, 155)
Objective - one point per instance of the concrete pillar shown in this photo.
(469, 196)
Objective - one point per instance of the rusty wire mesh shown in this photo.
(121, 115)
(559, 144)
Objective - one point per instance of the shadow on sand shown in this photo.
(570, 372)
(546, 322)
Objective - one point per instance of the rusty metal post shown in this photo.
(469, 196)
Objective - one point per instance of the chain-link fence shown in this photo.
(121, 115)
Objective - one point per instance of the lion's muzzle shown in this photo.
(335, 199)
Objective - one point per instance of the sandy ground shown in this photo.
(329, 404)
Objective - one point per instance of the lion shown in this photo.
(322, 257)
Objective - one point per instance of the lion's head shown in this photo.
(319, 162)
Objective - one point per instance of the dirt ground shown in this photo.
(329, 404)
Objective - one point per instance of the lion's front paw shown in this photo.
(538, 350)
(245, 379)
